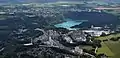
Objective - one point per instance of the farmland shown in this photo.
(110, 48)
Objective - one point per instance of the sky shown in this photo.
(6, 1)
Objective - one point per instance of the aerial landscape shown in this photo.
(59, 28)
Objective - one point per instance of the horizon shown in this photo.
(47, 1)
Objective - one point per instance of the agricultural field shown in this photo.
(114, 47)
(110, 48)
(105, 49)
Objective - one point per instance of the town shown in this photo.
(54, 30)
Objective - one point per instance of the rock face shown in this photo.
(50, 43)
(78, 36)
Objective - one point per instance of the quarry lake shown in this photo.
(69, 23)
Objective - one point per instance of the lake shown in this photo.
(77, 20)
(69, 23)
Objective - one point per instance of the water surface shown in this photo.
(69, 23)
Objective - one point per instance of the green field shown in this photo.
(105, 49)
(114, 47)
(87, 47)
(110, 48)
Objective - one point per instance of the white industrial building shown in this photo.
(96, 32)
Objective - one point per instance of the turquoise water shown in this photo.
(69, 23)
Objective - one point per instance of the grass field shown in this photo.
(114, 47)
(105, 49)
(87, 47)
(110, 48)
